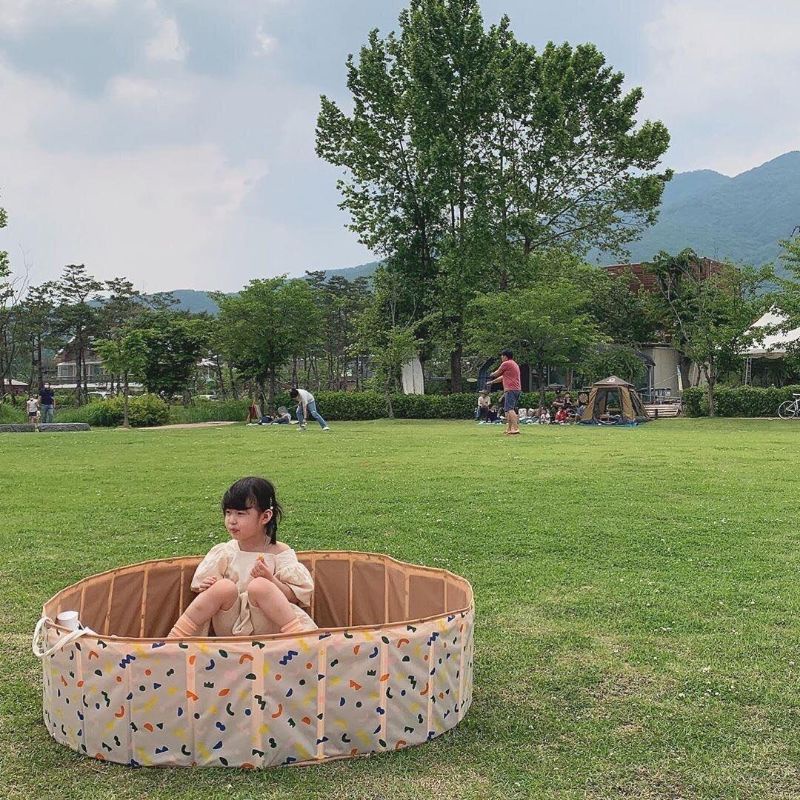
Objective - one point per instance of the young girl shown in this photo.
(251, 584)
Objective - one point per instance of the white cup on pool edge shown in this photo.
(68, 620)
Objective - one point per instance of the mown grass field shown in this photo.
(637, 594)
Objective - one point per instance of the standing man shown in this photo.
(48, 403)
(307, 405)
(508, 374)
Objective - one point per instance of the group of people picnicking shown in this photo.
(561, 411)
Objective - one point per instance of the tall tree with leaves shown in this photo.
(709, 310)
(265, 325)
(77, 318)
(9, 297)
(173, 343)
(37, 317)
(126, 356)
(387, 346)
(546, 325)
(468, 151)
(340, 302)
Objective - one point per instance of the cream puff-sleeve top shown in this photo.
(226, 560)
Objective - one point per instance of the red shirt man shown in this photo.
(508, 374)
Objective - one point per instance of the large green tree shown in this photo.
(708, 310)
(76, 318)
(266, 325)
(340, 302)
(546, 325)
(7, 302)
(172, 343)
(125, 355)
(466, 151)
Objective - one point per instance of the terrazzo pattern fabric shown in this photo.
(250, 703)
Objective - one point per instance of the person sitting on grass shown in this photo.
(492, 415)
(253, 413)
(251, 584)
(561, 416)
(484, 401)
(523, 415)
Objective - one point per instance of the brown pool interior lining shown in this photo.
(350, 589)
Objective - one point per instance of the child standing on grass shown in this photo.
(32, 405)
(251, 584)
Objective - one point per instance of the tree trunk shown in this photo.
(455, 368)
(234, 388)
(710, 383)
(218, 369)
(540, 376)
(78, 371)
(273, 387)
(389, 407)
(39, 359)
(125, 421)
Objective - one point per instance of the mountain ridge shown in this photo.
(742, 218)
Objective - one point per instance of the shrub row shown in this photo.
(143, 411)
(150, 410)
(740, 401)
(373, 405)
(10, 414)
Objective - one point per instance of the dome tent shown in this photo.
(613, 392)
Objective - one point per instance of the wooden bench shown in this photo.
(661, 410)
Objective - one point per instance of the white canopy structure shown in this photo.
(771, 344)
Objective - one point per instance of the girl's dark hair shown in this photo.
(256, 493)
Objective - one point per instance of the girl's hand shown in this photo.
(207, 583)
(260, 570)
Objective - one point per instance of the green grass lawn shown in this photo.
(637, 594)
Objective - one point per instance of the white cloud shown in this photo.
(167, 44)
(265, 43)
(17, 16)
(127, 89)
(725, 73)
(161, 217)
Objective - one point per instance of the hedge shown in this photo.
(150, 410)
(145, 410)
(739, 401)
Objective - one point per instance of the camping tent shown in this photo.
(614, 401)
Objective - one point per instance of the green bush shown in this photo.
(10, 414)
(210, 411)
(144, 410)
(739, 401)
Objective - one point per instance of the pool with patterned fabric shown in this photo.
(390, 666)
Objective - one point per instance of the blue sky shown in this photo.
(172, 141)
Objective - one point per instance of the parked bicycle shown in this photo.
(790, 409)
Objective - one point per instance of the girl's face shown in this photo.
(248, 526)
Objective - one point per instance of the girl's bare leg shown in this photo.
(271, 602)
(219, 597)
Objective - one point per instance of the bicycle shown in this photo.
(790, 409)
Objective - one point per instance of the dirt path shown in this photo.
(187, 425)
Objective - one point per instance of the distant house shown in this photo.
(66, 366)
(14, 387)
(642, 280)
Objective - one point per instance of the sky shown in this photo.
(172, 141)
